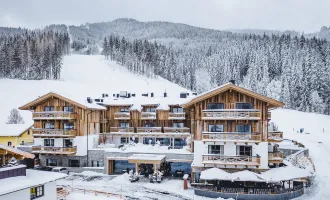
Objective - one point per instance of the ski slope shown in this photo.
(82, 76)
(317, 141)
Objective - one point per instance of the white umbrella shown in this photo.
(246, 176)
(284, 174)
(215, 174)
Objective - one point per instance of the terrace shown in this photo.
(217, 159)
(40, 132)
(54, 150)
(231, 114)
(51, 115)
(231, 136)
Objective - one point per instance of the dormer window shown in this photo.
(243, 105)
(124, 109)
(150, 109)
(177, 110)
(215, 106)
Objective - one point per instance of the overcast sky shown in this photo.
(300, 15)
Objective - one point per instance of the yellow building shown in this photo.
(16, 134)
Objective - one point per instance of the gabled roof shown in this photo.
(17, 151)
(272, 102)
(80, 102)
(14, 130)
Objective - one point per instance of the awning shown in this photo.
(246, 176)
(284, 174)
(9, 150)
(215, 174)
(146, 158)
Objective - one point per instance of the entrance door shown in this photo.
(74, 163)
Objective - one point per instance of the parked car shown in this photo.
(42, 168)
(61, 170)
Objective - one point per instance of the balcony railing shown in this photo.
(231, 136)
(230, 160)
(231, 114)
(54, 115)
(277, 156)
(275, 136)
(122, 130)
(179, 116)
(122, 115)
(149, 129)
(54, 132)
(176, 130)
(54, 150)
(148, 115)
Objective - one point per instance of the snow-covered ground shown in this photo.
(317, 141)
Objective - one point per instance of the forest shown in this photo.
(32, 55)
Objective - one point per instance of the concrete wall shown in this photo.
(63, 161)
(284, 196)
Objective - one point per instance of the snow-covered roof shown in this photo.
(246, 176)
(13, 130)
(284, 174)
(78, 98)
(17, 151)
(215, 174)
(32, 178)
(151, 157)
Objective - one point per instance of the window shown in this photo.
(121, 166)
(49, 125)
(148, 140)
(150, 109)
(95, 163)
(68, 125)
(123, 140)
(37, 192)
(215, 106)
(67, 143)
(178, 110)
(243, 128)
(9, 144)
(29, 132)
(123, 124)
(164, 141)
(215, 128)
(49, 108)
(244, 150)
(51, 162)
(178, 125)
(68, 109)
(216, 149)
(149, 124)
(243, 105)
(48, 142)
(124, 109)
(22, 143)
(73, 163)
(179, 143)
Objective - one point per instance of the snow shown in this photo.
(32, 178)
(13, 130)
(80, 196)
(317, 141)
(246, 176)
(284, 174)
(83, 76)
(91, 173)
(215, 174)
(151, 157)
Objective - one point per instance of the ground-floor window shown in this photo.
(179, 143)
(36, 192)
(182, 167)
(164, 141)
(121, 166)
(148, 140)
(74, 163)
(96, 163)
(123, 140)
(51, 162)
(197, 177)
(244, 150)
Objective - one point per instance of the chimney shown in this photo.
(151, 94)
(232, 81)
(89, 100)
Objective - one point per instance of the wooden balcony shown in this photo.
(231, 136)
(231, 114)
(149, 129)
(176, 116)
(122, 115)
(122, 130)
(276, 157)
(176, 130)
(54, 115)
(40, 132)
(275, 136)
(148, 115)
(217, 159)
(54, 150)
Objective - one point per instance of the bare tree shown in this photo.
(14, 117)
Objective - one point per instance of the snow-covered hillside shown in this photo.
(317, 141)
(81, 76)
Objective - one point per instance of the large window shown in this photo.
(123, 140)
(36, 192)
(179, 143)
(215, 128)
(243, 128)
(147, 140)
(164, 141)
(244, 150)
(178, 125)
(48, 142)
(121, 166)
(67, 143)
(95, 163)
(177, 110)
(68, 109)
(149, 124)
(68, 125)
(51, 162)
(49, 125)
(49, 108)
(180, 166)
(150, 109)
(123, 124)
(215, 106)
(216, 149)
(243, 105)
(124, 109)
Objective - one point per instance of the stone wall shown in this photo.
(288, 152)
(62, 160)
